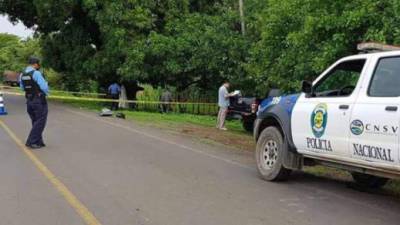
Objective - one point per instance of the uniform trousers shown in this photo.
(37, 109)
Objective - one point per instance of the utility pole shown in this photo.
(241, 10)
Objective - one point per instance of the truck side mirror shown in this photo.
(306, 87)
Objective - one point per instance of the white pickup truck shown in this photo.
(348, 118)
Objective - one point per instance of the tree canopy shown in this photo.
(198, 42)
(15, 52)
(168, 42)
(300, 38)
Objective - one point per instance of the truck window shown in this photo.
(386, 79)
(341, 80)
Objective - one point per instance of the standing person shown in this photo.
(223, 104)
(36, 89)
(166, 99)
(132, 91)
(132, 88)
(114, 90)
(123, 98)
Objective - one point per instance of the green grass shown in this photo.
(156, 118)
(180, 119)
(189, 108)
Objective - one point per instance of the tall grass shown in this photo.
(186, 102)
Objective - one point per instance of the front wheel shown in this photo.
(270, 153)
(369, 181)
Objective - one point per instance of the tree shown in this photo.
(108, 40)
(14, 52)
(300, 38)
(198, 42)
(196, 49)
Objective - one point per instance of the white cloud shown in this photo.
(18, 29)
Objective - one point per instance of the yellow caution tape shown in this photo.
(57, 91)
(55, 97)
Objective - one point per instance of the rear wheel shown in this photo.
(369, 181)
(269, 155)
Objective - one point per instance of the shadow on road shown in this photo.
(338, 183)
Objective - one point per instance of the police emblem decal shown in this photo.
(357, 127)
(319, 120)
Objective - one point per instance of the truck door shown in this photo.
(320, 121)
(375, 119)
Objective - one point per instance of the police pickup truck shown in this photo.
(348, 118)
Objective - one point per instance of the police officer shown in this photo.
(114, 90)
(36, 89)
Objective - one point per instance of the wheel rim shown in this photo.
(270, 154)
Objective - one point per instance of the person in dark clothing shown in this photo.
(114, 90)
(36, 89)
(132, 88)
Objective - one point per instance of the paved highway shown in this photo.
(112, 172)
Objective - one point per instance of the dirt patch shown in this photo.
(240, 141)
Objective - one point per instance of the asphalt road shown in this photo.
(124, 173)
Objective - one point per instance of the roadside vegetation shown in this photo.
(196, 126)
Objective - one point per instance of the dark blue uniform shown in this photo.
(114, 90)
(36, 89)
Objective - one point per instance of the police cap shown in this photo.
(33, 60)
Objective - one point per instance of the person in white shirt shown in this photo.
(123, 98)
(223, 104)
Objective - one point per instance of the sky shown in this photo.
(18, 29)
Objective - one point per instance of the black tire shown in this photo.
(369, 181)
(248, 125)
(269, 155)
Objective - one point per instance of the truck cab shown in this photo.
(347, 118)
(11, 78)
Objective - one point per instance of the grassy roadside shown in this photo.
(196, 126)
(172, 119)
(203, 127)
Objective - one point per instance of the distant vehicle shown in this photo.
(245, 109)
(11, 78)
(348, 118)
